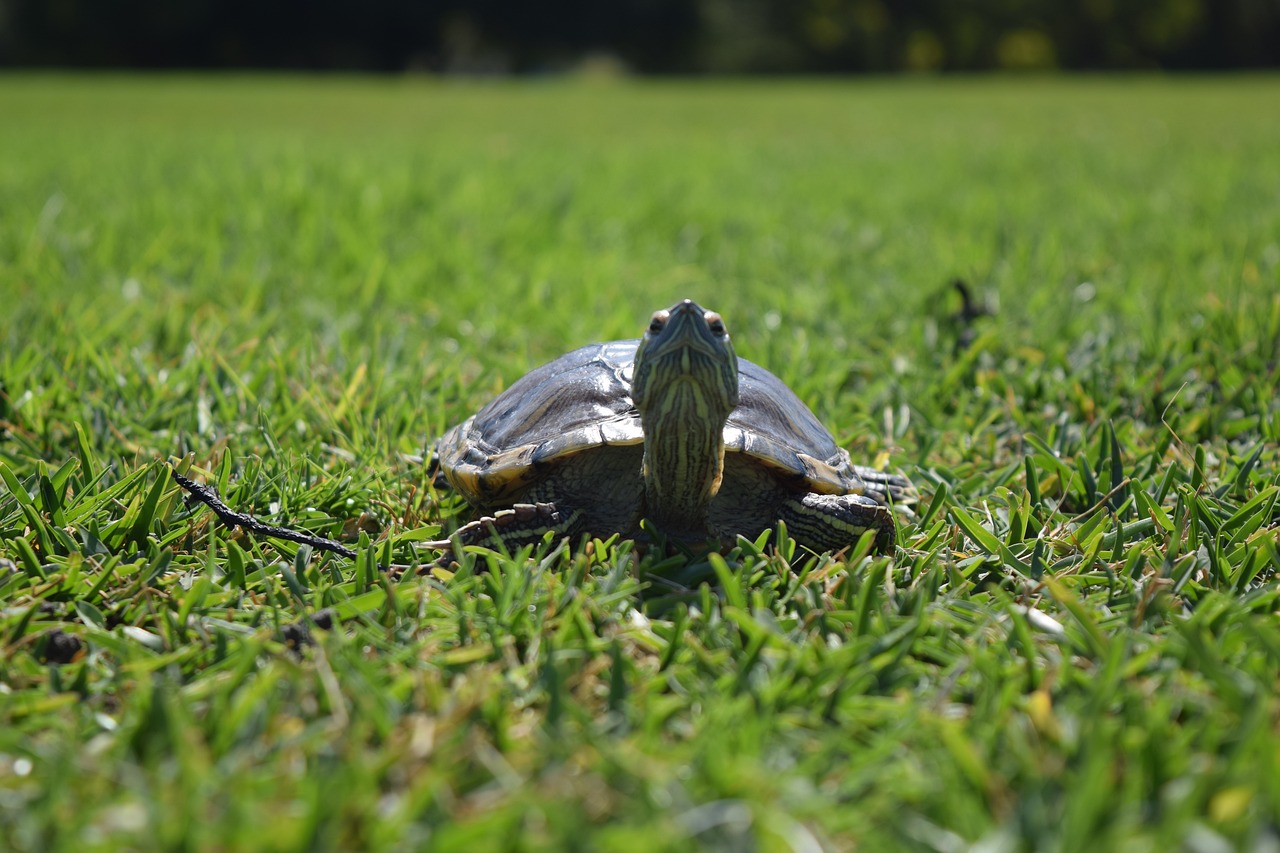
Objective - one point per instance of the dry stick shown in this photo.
(1102, 501)
(207, 496)
(229, 517)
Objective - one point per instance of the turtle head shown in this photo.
(685, 358)
(685, 385)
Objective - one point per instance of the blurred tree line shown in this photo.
(652, 36)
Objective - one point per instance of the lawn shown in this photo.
(286, 287)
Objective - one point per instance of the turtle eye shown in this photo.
(715, 324)
(658, 322)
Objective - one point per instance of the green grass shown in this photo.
(292, 285)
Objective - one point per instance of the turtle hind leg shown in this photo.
(826, 523)
(513, 528)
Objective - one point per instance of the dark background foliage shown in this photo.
(650, 36)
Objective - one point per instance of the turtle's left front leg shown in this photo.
(509, 529)
(826, 523)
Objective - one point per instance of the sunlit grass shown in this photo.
(293, 285)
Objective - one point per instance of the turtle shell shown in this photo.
(582, 401)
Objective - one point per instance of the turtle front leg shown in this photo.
(824, 523)
(882, 485)
(522, 524)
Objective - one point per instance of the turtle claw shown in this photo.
(509, 529)
(884, 487)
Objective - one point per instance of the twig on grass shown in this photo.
(1100, 504)
(229, 517)
(207, 496)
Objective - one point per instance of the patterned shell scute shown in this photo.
(773, 425)
(584, 388)
(583, 400)
(580, 400)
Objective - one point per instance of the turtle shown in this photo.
(673, 428)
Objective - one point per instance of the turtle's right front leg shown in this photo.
(882, 485)
(828, 523)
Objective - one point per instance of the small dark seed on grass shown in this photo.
(59, 647)
(296, 635)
